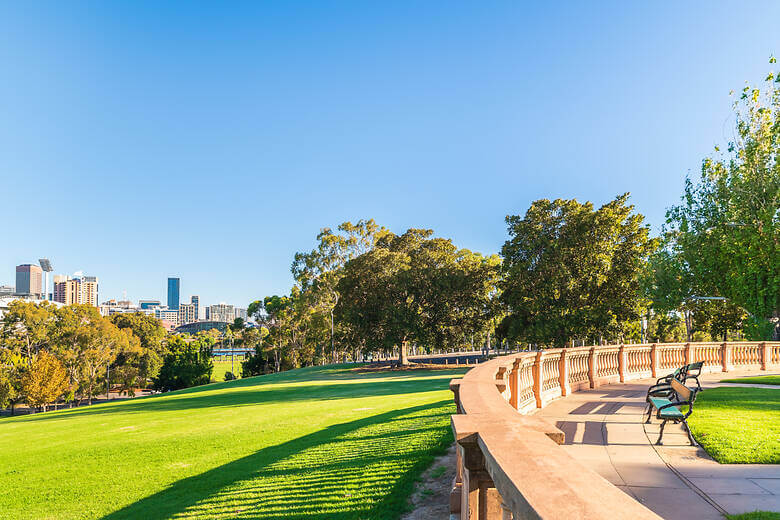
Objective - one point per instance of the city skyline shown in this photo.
(282, 121)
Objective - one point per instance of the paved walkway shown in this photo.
(605, 430)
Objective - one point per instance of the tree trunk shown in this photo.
(403, 354)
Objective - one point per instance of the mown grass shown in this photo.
(222, 366)
(315, 443)
(761, 380)
(755, 515)
(738, 425)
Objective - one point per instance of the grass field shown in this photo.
(316, 443)
(761, 380)
(222, 365)
(738, 425)
(755, 515)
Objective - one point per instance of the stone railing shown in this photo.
(509, 465)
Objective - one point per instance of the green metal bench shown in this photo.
(668, 410)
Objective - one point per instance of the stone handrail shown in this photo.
(509, 465)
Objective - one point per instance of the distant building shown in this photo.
(7, 290)
(72, 291)
(89, 290)
(187, 313)
(5, 302)
(173, 294)
(169, 315)
(67, 290)
(220, 312)
(117, 307)
(195, 301)
(199, 326)
(238, 312)
(28, 280)
(149, 304)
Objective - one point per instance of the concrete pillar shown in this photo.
(592, 367)
(622, 369)
(563, 374)
(725, 356)
(766, 352)
(513, 379)
(688, 353)
(537, 372)
(654, 359)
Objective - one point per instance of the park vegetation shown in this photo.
(71, 354)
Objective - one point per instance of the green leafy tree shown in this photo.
(572, 272)
(727, 228)
(186, 364)
(412, 288)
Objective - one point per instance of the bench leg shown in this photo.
(688, 431)
(698, 384)
(649, 413)
(659, 442)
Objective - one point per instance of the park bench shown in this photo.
(693, 371)
(668, 409)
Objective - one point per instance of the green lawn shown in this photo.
(755, 515)
(222, 365)
(738, 425)
(314, 443)
(761, 380)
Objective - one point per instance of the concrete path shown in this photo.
(605, 430)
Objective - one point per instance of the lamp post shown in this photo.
(644, 329)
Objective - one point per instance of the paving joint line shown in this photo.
(693, 487)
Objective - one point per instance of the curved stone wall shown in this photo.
(509, 465)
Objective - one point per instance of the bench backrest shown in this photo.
(683, 392)
(695, 366)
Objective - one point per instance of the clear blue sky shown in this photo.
(140, 140)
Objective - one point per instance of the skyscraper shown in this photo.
(195, 300)
(28, 280)
(173, 294)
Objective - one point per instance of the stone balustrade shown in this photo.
(509, 465)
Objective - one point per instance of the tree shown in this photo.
(412, 288)
(9, 385)
(27, 327)
(570, 271)
(186, 364)
(44, 381)
(727, 228)
(318, 272)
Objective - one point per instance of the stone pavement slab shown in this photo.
(605, 430)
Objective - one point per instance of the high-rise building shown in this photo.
(238, 312)
(220, 312)
(89, 290)
(173, 294)
(195, 300)
(67, 290)
(28, 280)
(71, 291)
(187, 313)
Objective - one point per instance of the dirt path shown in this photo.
(431, 497)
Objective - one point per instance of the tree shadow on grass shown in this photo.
(362, 469)
(258, 390)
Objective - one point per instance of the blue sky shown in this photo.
(212, 141)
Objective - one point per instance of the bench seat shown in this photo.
(672, 411)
